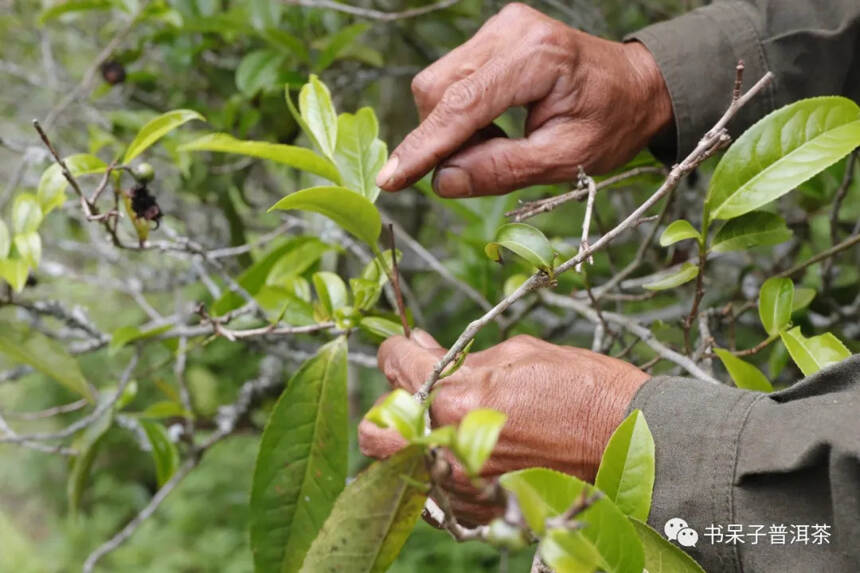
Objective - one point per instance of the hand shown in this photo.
(562, 403)
(591, 103)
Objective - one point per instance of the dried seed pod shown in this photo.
(113, 72)
(144, 205)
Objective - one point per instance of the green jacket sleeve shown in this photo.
(812, 47)
(760, 462)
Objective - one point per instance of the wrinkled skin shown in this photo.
(591, 103)
(562, 403)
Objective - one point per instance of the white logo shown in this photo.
(676, 529)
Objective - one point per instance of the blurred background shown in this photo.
(229, 60)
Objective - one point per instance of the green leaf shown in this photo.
(813, 354)
(259, 70)
(302, 464)
(164, 409)
(660, 555)
(626, 472)
(476, 437)
(331, 291)
(52, 186)
(544, 493)
(744, 374)
(365, 292)
(678, 231)
(781, 151)
(129, 393)
(400, 411)
(29, 247)
(338, 42)
(291, 155)
(319, 115)
(526, 241)
(26, 213)
(442, 436)
(775, 300)
(23, 344)
(685, 274)
(347, 208)
(459, 359)
(381, 326)
(61, 7)
(14, 272)
(754, 229)
(359, 154)
(5, 240)
(164, 452)
(157, 128)
(372, 518)
(125, 334)
(87, 444)
(802, 297)
(567, 552)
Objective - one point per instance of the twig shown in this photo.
(373, 14)
(588, 182)
(847, 243)
(841, 192)
(395, 283)
(49, 412)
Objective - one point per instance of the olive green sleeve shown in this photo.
(726, 456)
(812, 47)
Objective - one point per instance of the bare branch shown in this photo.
(370, 13)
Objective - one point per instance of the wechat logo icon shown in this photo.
(676, 529)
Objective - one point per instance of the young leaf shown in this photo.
(744, 374)
(365, 292)
(544, 493)
(686, 273)
(302, 464)
(347, 208)
(568, 552)
(319, 116)
(331, 291)
(164, 409)
(399, 411)
(813, 354)
(381, 326)
(23, 344)
(626, 472)
(14, 272)
(259, 70)
(157, 128)
(5, 240)
(755, 229)
(678, 231)
(526, 241)
(61, 7)
(125, 334)
(359, 154)
(291, 155)
(476, 437)
(782, 150)
(29, 247)
(802, 297)
(372, 518)
(775, 300)
(26, 213)
(87, 445)
(164, 452)
(51, 192)
(337, 42)
(660, 555)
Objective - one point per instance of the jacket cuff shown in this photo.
(696, 427)
(697, 54)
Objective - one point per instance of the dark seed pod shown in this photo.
(144, 204)
(113, 72)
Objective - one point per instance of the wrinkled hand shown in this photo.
(562, 403)
(591, 102)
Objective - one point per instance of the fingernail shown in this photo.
(423, 339)
(386, 174)
(452, 182)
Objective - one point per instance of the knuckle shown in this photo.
(422, 85)
(462, 96)
(522, 340)
(516, 10)
(544, 32)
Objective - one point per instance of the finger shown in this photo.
(406, 362)
(501, 165)
(466, 106)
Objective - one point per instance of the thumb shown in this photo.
(500, 165)
(407, 362)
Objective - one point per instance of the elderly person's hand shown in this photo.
(562, 403)
(591, 103)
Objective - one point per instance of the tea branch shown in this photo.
(373, 14)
